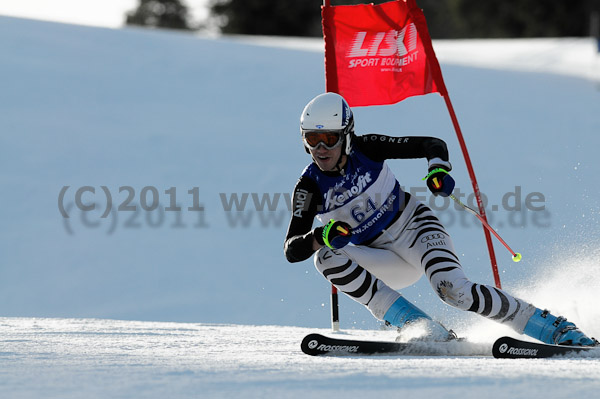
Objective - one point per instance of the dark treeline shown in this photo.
(446, 18)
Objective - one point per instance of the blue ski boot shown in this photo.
(555, 330)
(403, 313)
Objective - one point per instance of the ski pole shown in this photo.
(516, 256)
(335, 310)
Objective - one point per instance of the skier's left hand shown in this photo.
(440, 182)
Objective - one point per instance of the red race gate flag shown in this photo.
(379, 54)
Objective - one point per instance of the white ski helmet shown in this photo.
(328, 112)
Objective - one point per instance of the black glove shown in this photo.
(440, 182)
(335, 235)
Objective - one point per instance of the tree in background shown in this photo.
(264, 17)
(521, 18)
(171, 14)
(446, 18)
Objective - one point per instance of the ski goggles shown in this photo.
(329, 138)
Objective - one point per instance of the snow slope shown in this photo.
(159, 113)
(198, 122)
(74, 358)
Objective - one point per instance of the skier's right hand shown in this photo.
(337, 235)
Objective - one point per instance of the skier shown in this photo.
(395, 239)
